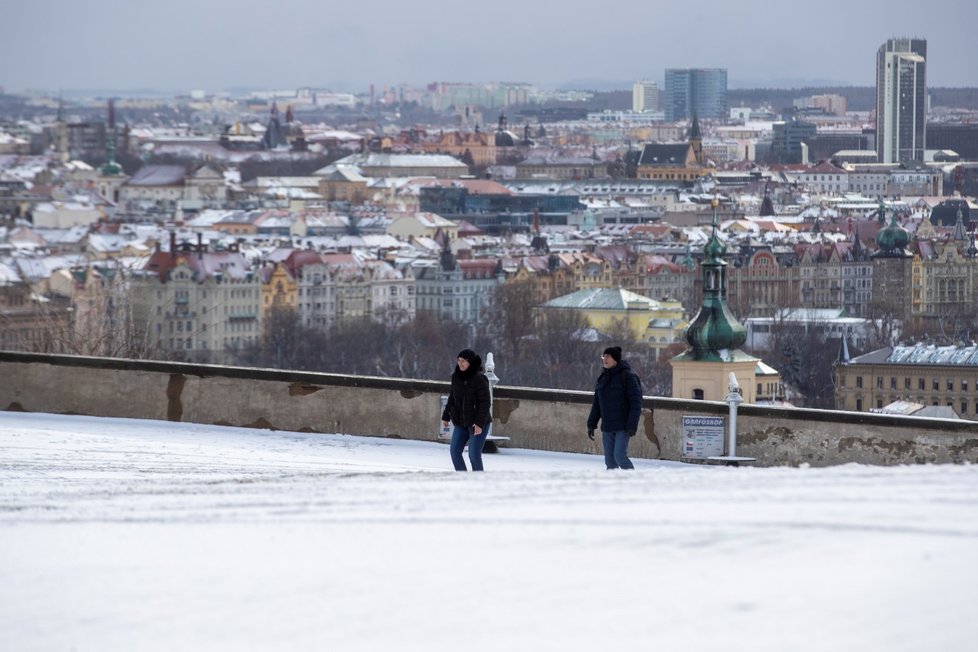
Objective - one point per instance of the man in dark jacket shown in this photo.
(618, 405)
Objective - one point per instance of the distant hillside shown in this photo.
(858, 98)
(958, 98)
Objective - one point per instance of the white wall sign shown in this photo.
(702, 437)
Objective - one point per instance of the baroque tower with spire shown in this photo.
(714, 335)
(892, 269)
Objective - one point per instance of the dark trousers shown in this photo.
(462, 436)
(615, 446)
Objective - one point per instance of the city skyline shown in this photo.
(54, 44)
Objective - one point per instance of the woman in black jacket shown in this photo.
(468, 408)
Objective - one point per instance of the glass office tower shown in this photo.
(695, 91)
(901, 100)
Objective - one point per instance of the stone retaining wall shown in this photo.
(388, 407)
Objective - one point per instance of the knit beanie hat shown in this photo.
(614, 352)
(475, 363)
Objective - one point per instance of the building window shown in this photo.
(950, 385)
(964, 385)
(936, 385)
(964, 407)
(697, 394)
(893, 382)
(859, 405)
(859, 381)
(879, 382)
(921, 384)
(906, 383)
(879, 404)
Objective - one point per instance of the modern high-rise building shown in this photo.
(901, 100)
(790, 141)
(646, 96)
(695, 91)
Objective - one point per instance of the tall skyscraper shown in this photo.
(646, 96)
(695, 91)
(901, 100)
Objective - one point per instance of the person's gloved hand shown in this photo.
(590, 434)
(631, 433)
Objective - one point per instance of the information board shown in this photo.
(702, 437)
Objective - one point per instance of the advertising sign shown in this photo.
(702, 437)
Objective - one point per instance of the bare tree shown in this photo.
(511, 315)
(803, 354)
(562, 356)
(87, 311)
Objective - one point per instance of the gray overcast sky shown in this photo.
(179, 45)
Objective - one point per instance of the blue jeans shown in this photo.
(615, 446)
(462, 436)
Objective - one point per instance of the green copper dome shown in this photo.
(713, 330)
(893, 238)
(714, 249)
(111, 168)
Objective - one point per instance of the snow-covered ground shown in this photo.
(121, 534)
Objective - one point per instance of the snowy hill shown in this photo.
(120, 534)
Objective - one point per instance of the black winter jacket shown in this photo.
(617, 404)
(468, 402)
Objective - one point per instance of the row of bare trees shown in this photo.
(531, 349)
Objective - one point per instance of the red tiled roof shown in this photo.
(478, 268)
(655, 264)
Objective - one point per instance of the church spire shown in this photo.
(111, 168)
(694, 130)
(960, 233)
(767, 205)
(843, 357)
(696, 139)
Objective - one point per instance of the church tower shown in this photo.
(61, 133)
(110, 168)
(702, 371)
(892, 269)
(110, 175)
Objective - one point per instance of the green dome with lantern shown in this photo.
(714, 332)
(893, 239)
